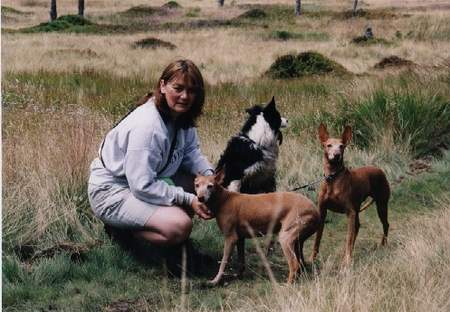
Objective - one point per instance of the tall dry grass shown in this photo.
(410, 275)
(46, 157)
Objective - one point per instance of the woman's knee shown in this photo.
(178, 231)
(173, 224)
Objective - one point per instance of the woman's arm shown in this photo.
(142, 160)
(193, 159)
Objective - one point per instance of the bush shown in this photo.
(303, 64)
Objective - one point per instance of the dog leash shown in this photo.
(309, 185)
(328, 178)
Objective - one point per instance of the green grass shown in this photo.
(40, 108)
(108, 274)
(303, 64)
(417, 118)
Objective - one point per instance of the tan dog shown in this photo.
(344, 190)
(291, 215)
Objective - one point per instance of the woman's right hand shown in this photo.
(201, 210)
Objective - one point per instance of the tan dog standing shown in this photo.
(291, 215)
(344, 190)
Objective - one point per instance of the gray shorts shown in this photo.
(115, 205)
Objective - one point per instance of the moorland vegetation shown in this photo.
(66, 82)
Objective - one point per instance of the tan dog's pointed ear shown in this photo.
(323, 133)
(220, 175)
(346, 135)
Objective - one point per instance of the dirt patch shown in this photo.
(303, 64)
(419, 166)
(393, 61)
(153, 43)
(126, 306)
(77, 251)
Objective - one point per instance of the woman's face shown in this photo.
(179, 95)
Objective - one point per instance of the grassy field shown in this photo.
(65, 83)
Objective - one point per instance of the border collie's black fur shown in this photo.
(250, 157)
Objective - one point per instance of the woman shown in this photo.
(142, 179)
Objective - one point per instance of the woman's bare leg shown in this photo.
(167, 226)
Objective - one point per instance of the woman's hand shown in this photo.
(201, 210)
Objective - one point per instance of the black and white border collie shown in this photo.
(249, 159)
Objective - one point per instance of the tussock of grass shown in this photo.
(254, 14)
(393, 61)
(363, 40)
(303, 64)
(73, 23)
(171, 5)
(141, 10)
(153, 43)
(416, 119)
(284, 35)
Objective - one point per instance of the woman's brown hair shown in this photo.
(191, 72)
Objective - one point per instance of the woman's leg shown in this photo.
(167, 226)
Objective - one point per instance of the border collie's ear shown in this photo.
(254, 110)
(271, 104)
(220, 175)
(323, 133)
(346, 135)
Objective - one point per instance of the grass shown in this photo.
(303, 64)
(107, 271)
(284, 35)
(57, 105)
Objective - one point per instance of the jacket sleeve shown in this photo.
(142, 160)
(193, 159)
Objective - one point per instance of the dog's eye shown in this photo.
(329, 145)
(341, 145)
(209, 186)
(196, 185)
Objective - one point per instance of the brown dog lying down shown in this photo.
(291, 215)
(344, 190)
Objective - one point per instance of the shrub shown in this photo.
(303, 64)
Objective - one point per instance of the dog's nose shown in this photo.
(201, 199)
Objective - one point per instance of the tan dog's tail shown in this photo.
(366, 205)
